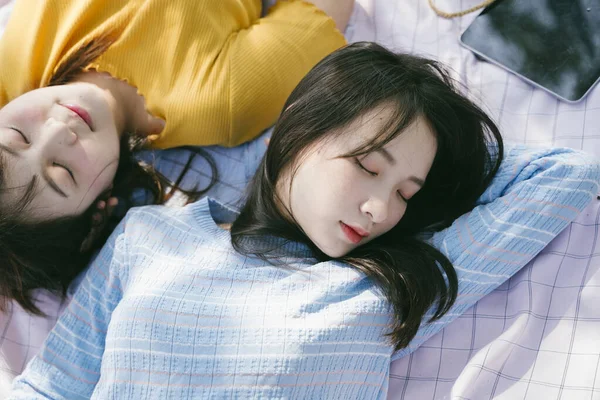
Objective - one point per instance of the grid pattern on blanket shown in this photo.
(535, 336)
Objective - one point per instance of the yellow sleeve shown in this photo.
(215, 70)
(247, 71)
(269, 59)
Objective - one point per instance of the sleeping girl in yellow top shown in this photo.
(83, 83)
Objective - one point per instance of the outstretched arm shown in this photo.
(267, 60)
(339, 10)
(68, 365)
(534, 196)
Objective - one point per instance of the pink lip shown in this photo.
(354, 234)
(81, 113)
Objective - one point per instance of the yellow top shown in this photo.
(215, 70)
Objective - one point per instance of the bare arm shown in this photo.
(266, 62)
(339, 10)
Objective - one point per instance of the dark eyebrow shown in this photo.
(388, 157)
(416, 180)
(52, 184)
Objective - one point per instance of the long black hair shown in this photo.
(412, 274)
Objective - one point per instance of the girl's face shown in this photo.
(66, 139)
(343, 203)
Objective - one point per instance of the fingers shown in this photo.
(104, 209)
(111, 204)
(149, 125)
(155, 125)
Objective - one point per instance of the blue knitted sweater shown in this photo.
(169, 310)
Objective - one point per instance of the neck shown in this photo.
(115, 94)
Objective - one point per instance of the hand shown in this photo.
(148, 125)
(141, 122)
(99, 219)
(134, 117)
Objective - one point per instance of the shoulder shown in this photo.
(161, 219)
(158, 224)
(155, 214)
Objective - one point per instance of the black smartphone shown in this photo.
(552, 44)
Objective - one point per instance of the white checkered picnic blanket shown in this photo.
(535, 337)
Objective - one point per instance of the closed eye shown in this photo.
(20, 133)
(402, 197)
(361, 166)
(66, 169)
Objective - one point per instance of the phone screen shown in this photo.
(554, 44)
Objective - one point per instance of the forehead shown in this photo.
(374, 124)
(368, 125)
(414, 148)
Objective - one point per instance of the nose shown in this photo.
(376, 208)
(56, 133)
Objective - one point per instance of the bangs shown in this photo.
(402, 117)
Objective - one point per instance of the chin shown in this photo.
(336, 253)
(332, 248)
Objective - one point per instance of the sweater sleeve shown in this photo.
(216, 71)
(534, 196)
(68, 365)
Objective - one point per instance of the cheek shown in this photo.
(33, 114)
(326, 189)
(99, 179)
(106, 175)
(28, 118)
(340, 185)
(394, 216)
(103, 157)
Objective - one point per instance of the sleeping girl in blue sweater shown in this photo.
(385, 206)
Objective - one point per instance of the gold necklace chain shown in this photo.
(448, 15)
